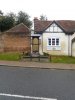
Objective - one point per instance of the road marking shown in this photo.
(26, 97)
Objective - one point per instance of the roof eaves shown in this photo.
(45, 28)
(8, 31)
(59, 25)
(56, 24)
(13, 28)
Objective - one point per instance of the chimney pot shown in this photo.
(35, 18)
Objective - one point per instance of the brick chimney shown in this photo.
(35, 22)
(35, 18)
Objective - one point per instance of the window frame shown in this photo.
(50, 41)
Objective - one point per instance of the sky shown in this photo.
(53, 9)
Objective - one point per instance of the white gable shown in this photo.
(53, 28)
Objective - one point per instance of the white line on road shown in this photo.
(26, 97)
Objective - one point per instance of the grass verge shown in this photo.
(9, 56)
(54, 59)
(63, 59)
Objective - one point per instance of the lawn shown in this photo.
(9, 56)
(63, 59)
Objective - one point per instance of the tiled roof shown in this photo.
(67, 25)
(19, 28)
(39, 26)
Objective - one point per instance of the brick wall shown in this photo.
(16, 42)
(1, 43)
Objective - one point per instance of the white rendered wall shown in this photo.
(63, 43)
(73, 45)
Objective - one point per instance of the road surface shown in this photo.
(17, 83)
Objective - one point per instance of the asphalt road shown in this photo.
(59, 84)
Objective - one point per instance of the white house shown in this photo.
(54, 37)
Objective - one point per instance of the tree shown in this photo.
(24, 18)
(6, 22)
(10, 20)
(43, 17)
(1, 13)
(12, 16)
(1, 18)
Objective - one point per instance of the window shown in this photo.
(53, 41)
(49, 41)
(57, 41)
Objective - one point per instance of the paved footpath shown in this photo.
(37, 65)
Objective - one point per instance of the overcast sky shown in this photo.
(53, 9)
